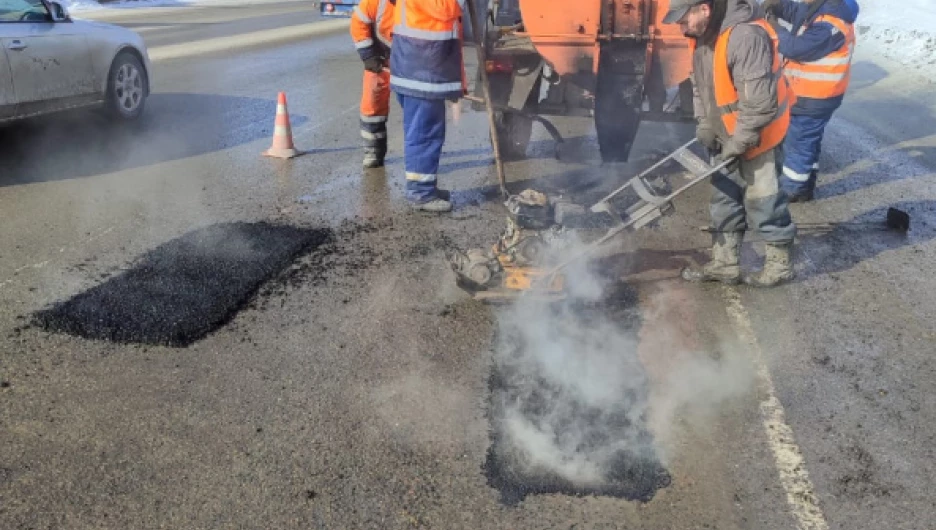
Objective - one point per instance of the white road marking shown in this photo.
(788, 457)
(243, 40)
(38, 265)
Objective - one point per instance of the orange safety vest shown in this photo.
(426, 59)
(827, 77)
(726, 95)
(372, 19)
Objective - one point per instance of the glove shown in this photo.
(374, 64)
(706, 136)
(771, 6)
(731, 149)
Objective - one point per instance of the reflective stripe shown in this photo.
(367, 135)
(815, 76)
(831, 61)
(425, 34)
(373, 119)
(384, 41)
(364, 18)
(403, 29)
(366, 43)
(426, 87)
(461, 4)
(793, 175)
(381, 13)
(420, 177)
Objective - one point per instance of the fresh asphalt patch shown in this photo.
(567, 405)
(179, 292)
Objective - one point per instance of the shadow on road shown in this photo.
(174, 126)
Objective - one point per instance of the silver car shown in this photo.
(50, 62)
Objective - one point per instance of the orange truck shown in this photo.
(609, 60)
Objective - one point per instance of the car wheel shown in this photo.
(126, 87)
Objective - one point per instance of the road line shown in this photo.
(103, 232)
(788, 457)
(246, 40)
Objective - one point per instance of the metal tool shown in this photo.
(537, 226)
(486, 90)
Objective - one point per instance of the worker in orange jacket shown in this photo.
(372, 32)
(742, 104)
(428, 69)
(819, 55)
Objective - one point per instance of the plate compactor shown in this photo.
(540, 240)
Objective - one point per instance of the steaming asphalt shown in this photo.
(354, 394)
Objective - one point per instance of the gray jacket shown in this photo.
(750, 61)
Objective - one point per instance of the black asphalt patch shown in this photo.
(560, 433)
(186, 288)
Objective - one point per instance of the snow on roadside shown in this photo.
(903, 31)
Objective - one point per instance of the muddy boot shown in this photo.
(437, 204)
(724, 266)
(778, 267)
(374, 153)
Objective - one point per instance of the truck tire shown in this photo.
(618, 97)
(513, 132)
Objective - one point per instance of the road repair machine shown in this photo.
(542, 234)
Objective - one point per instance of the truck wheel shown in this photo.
(126, 88)
(513, 132)
(618, 96)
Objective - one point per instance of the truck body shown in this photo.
(610, 60)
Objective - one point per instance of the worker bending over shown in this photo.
(819, 56)
(372, 31)
(428, 69)
(742, 106)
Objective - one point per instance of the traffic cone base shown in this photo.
(282, 133)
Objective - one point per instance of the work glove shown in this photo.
(731, 150)
(374, 64)
(706, 136)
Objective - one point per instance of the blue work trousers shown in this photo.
(423, 136)
(801, 149)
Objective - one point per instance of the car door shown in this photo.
(7, 97)
(50, 62)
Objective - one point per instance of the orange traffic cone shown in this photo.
(282, 133)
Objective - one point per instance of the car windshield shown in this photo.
(21, 10)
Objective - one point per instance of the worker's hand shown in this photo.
(374, 64)
(771, 6)
(706, 136)
(731, 149)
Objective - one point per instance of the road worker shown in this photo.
(428, 69)
(372, 31)
(818, 66)
(742, 107)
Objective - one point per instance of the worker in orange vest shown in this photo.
(819, 55)
(742, 108)
(372, 31)
(428, 69)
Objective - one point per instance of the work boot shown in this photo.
(778, 266)
(372, 161)
(725, 264)
(436, 204)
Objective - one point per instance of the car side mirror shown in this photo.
(58, 12)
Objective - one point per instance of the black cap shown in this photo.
(679, 8)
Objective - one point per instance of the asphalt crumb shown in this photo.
(861, 478)
(181, 291)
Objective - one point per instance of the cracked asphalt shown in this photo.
(355, 390)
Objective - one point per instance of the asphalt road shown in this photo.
(362, 389)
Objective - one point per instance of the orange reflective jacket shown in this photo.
(726, 95)
(426, 60)
(827, 77)
(372, 27)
